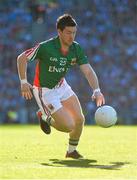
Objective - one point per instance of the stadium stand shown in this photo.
(107, 30)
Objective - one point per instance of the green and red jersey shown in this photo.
(52, 65)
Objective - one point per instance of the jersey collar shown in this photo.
(58, 44)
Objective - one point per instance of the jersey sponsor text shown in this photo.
(55, 69)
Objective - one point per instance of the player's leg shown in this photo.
(62, 120)
(50, 105)
(42, 114)
(73, 107)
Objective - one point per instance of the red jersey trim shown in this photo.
(30, 53)
(37, 76)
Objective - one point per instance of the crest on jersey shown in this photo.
(73, 61)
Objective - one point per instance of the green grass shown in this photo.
(27, 153)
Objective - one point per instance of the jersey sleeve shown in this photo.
(81, 57)
(33, 53)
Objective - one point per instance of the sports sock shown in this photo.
(72, 145)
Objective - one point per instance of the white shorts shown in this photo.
(49, 100)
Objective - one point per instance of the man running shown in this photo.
(59, 105)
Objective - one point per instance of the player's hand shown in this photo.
(99, 97)
(26, 90)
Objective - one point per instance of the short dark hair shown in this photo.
(65, 20)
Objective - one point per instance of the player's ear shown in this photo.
(59, 31)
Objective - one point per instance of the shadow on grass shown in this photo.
(84, 163)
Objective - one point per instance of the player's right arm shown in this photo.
(22, 61)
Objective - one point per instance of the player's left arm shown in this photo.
(91, 76)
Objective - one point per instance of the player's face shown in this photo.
(67, 36)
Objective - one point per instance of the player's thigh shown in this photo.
(63, 118)
(73, 107)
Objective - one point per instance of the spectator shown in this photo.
(110, 29)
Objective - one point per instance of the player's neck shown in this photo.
(64, 47)
(64, 52)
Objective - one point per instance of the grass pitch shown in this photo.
(27, 153)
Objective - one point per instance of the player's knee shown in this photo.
(69, 126)
(80, 120)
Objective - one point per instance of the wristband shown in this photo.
(96, 90)
(23, 81)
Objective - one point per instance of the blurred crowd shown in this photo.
(107, 30)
